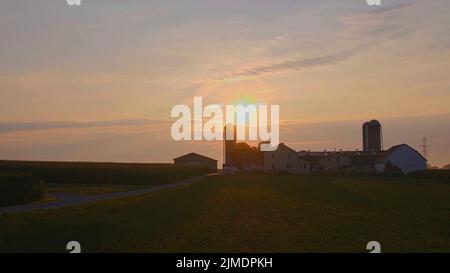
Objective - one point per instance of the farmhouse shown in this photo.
(194, 159)
(283, 159)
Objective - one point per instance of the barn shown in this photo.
(195, 159)
(403, 157)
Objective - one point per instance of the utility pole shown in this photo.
(425, 147)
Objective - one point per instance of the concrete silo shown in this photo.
(229, 143)
(372, 136)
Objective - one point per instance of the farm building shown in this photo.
(334, 161)
(399, 157)
(283, 159)
(370, 160)
(196, 160)
(403, 157)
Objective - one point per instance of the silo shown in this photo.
(372, 136)
(229, 143)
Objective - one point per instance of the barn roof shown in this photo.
(384, 155)
(195, 154)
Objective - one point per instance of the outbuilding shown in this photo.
(195, 159)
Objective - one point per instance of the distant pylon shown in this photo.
(425, 147)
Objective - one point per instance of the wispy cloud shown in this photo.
(389, 8)
(369, 37)
(294, 64)
(32, 126)
(375, 13)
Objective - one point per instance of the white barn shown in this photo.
(403, 157)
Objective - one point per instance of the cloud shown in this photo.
(374, 13)
(294, 64)
(389, 8)
(369, 27)
(33, 126)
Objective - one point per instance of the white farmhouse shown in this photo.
(283, 159)
(402, 156)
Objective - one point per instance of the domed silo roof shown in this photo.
(374, 122)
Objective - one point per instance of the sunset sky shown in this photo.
(97, 82)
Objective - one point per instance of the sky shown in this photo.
(98, 82)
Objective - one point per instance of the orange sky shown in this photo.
(321, 61)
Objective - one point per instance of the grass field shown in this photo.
(87, 189)
(249, 213)
(103, 173)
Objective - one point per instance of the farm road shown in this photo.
(67, 200)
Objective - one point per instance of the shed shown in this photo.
(195, 159)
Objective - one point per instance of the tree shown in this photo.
(390, 168)
(246, 154)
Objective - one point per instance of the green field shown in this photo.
(103, 173)
(249, 213)
(87, 189)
